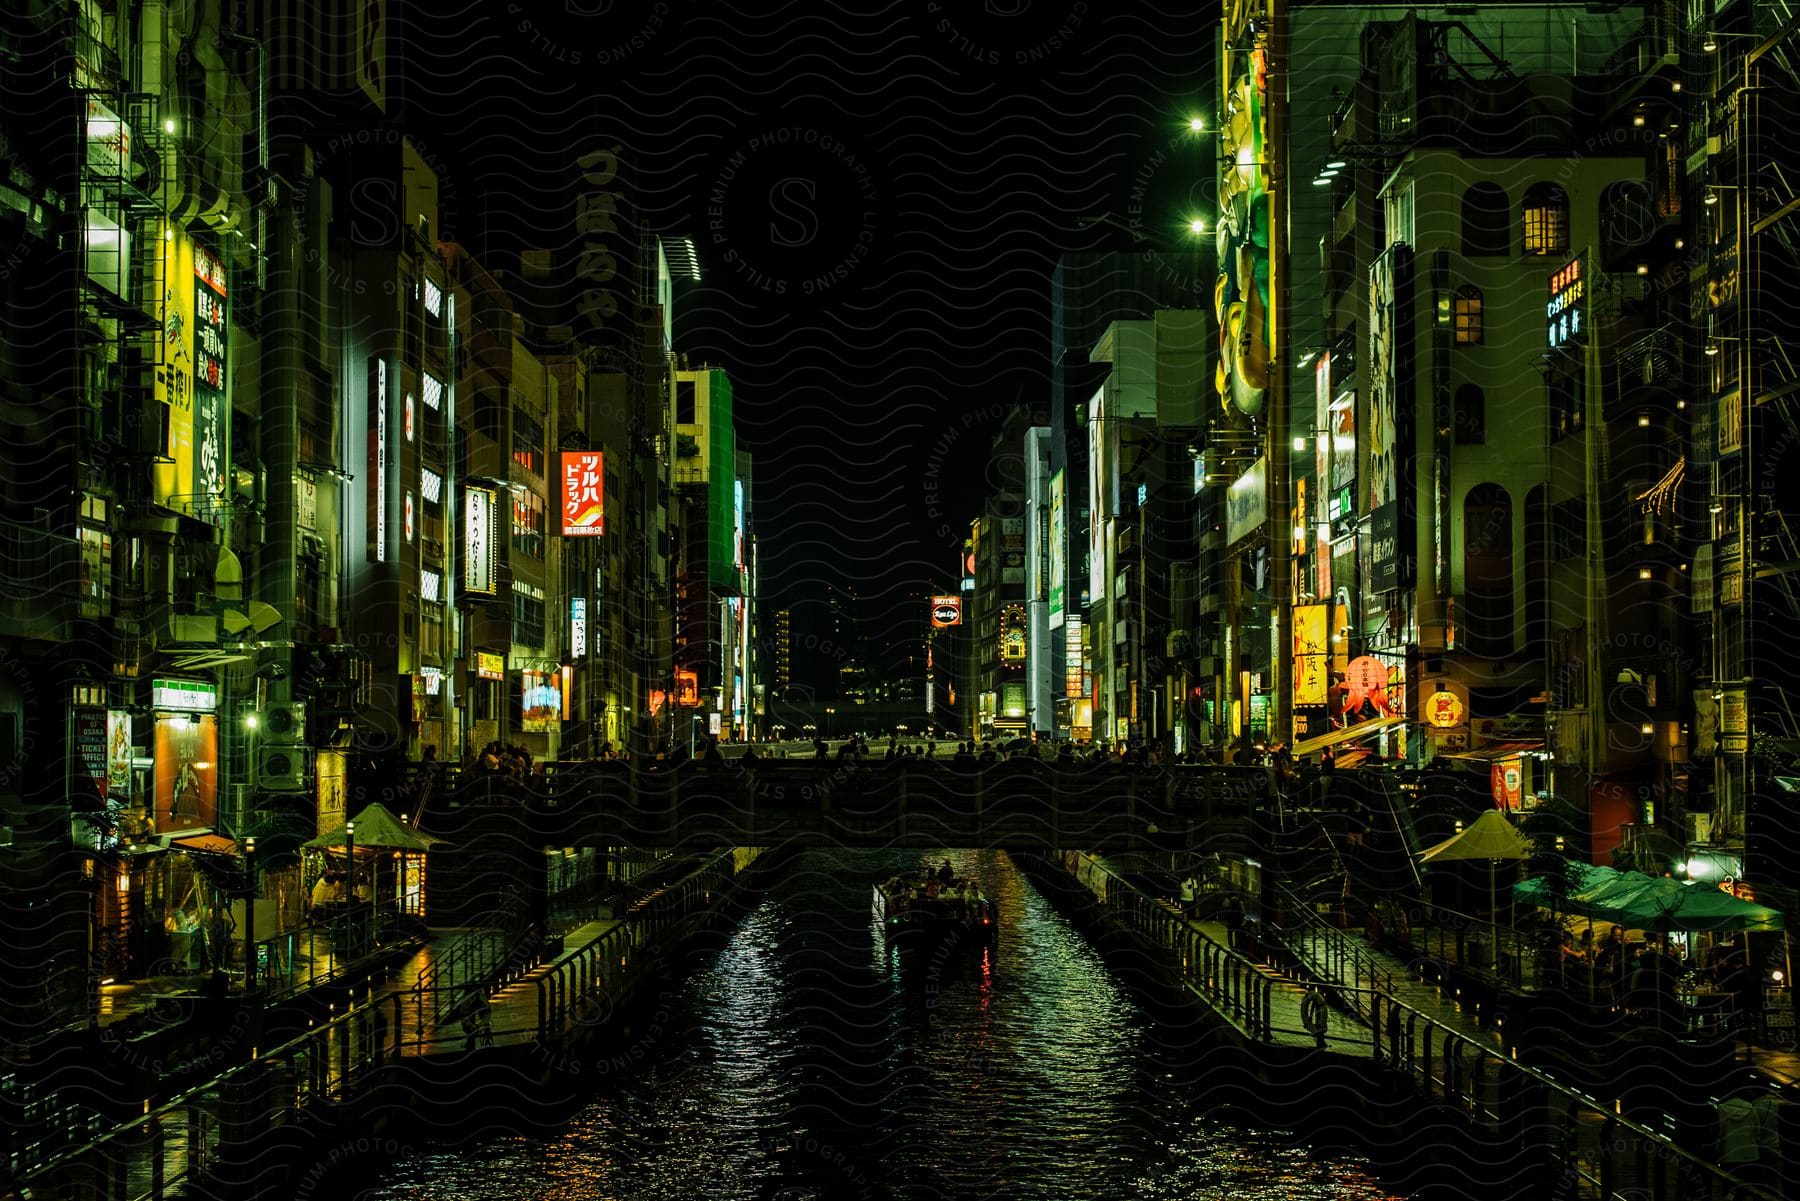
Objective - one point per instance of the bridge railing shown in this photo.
(576, 985)
(1613, 1156)
(216, 1123)
(1329, 952)
(1462, 941)
(1017, 802)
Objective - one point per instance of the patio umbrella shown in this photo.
(1489, 837)
(1666, 905)
(377, 829)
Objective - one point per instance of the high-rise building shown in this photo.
(710, 575)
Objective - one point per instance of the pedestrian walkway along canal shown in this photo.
(806, 1060)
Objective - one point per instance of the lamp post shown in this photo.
(250, 914)
(350, 861)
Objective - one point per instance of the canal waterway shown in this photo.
(806, 1060)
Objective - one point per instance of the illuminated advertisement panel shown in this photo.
(737, 520)
(687, 689)
(479, 555)
(489, 666)
(1565, 314)
(210, 318)
(578, 627)
(946, 611)
(187, 771)
(1388, 371)
(583, 493)
(542, 701)
(1245, 314)
(174, 386)
(1012, 635)
(1059, 547)
(378, 481)
(1312, 654)
(1074, 683)
(1246, 501)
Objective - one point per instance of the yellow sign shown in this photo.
(1311, 654)
(175, 376)
(489, 666)
(1444, 709)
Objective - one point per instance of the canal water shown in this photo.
(805, 1060)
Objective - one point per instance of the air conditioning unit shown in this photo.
(283, 768)
(284, 725)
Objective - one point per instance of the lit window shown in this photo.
(433, 390)
(1466, 311)
(1546, 220)
(434, 299)
(431, 486)
(431, 587)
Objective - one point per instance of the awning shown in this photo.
(1500, 751)
(201, 840)
(1313, 746)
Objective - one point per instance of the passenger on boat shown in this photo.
(946, 873)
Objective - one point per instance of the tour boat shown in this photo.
(923, 910)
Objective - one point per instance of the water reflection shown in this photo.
(808, 1060)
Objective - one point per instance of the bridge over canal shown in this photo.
(1021, 805)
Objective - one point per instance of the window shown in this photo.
(1471, 416)
(1397, 212)
(1546, 220)
(684, 402)
(1466, 314)
(528, 524)
(528, 443)
(528, 616)
(1487, 608)
(1486, 221)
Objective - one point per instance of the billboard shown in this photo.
(687, 689)
(541, 696)
(737, 522)
(187, 771)
(1246, 317)
(174, 386)
(578, 627)
(1565, 315)
(583, 493)
(1059, 546)
(1312, 654)
(480, 561)
(378, 456)
(1012, 635)
(1388, 372)
(210, 429)
(1074, 663)
(946, 611)
(1246, 501)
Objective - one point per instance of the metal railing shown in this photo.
(471, 966)
(325, 952)
(218, 1124)
(1468, 943)
(1329, 952)
(1614, 1157)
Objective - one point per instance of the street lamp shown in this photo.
(1711, 44)
(250, 914)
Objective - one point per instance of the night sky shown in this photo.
(877, 198)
